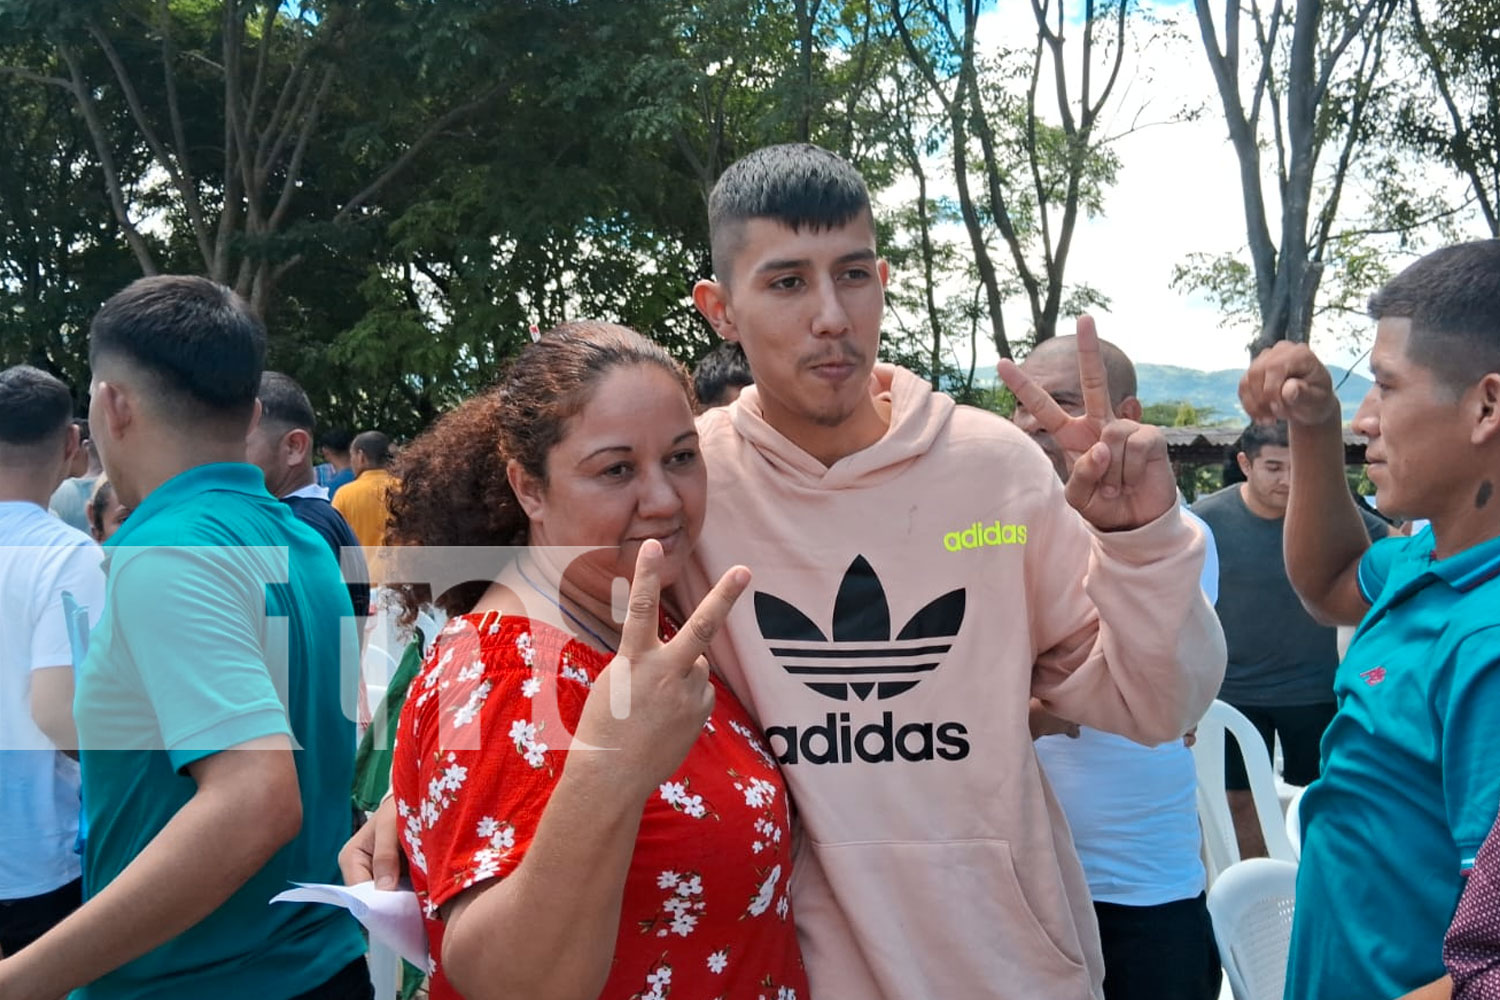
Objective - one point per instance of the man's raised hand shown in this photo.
(1122, 477)
(649, 704)
(1288, 382)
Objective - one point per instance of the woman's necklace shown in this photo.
(566, 613)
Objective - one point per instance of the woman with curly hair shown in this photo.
(653, 854)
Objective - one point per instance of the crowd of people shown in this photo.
(787, 678)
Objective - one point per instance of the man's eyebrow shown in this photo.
(788, 264)
(798, 263)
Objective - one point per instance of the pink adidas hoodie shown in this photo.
(905, 605)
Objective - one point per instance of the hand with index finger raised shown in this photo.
(648, 706)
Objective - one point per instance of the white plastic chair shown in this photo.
(1220, 847)
(1294, 824)
(1251, 904)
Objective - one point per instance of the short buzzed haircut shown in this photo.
(374, 446)
(1117, 364)
(1452, 297)
(35, 407)
(1258, 436)
(796, 184)
(197, 340)
(721, 369)
(282, 402)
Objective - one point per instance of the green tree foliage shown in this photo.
(1454, 114)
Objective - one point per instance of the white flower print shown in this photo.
(472, 672)
(678, 795)
(718, 960)
(469, 710)
(683, 907)
(759, 794)
(762, 900)
(658, 984)
(575, 674)
(756, 744)
(783, 906)
(487, 827)
(526, 649)
(524, 735)
(531, 685)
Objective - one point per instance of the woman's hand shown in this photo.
(374, 852)
(648, 706)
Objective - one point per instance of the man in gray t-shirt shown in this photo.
(1281, 661)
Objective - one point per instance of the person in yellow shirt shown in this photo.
(363, 502)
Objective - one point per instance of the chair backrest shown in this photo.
(1251, 904)
(1220, 847)
(1294, 823)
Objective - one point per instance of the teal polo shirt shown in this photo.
(1411, 775)
(225, 619)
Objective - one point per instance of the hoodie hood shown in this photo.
(918, 416)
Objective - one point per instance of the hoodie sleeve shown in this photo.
(1131, 646)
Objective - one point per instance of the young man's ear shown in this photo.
(1244, 461)
(526, 487)
(712, 301)
(116, 406)
(883, 268)
(1487, 413)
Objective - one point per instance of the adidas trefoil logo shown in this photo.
(861, 656)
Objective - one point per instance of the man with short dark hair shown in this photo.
(70, 500)
(1281, 661)
(334, 471)
(363, 502)
(926, 579)
(47, 571)
(1409, 786)
(203, 675)
(721, 375)
(280, 445)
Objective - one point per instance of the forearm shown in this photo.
(1156, 657)
(564, 898)
(210, 848)
(1324, 537)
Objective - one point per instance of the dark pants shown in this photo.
(1164, 952)
(22, 921)
(1301, 730)
(352, 982)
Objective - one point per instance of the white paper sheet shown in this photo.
(393, 917)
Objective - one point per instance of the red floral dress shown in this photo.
(481, 746)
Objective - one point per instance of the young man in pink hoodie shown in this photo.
(920, 574)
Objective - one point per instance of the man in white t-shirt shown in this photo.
(1133, 809)
(51, 590)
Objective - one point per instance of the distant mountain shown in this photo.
(1220, 390)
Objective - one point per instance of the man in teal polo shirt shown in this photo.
(216, 753)
(1411, 763)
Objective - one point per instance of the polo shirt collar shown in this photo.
(1473, 566)
(234, 477)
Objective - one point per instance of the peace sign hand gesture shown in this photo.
(648, 706)
(1121, 476)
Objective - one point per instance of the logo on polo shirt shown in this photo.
(857, 655)
(1373, 676)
